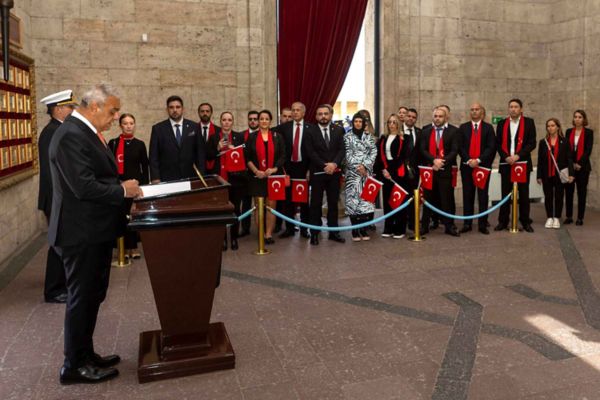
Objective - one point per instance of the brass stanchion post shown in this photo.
(121, 261)
(417, 203)
(261, 228)
(515, 208)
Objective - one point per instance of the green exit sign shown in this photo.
(496, 119)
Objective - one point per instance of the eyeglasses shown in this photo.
(252, 119)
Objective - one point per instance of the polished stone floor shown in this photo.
(504, 316)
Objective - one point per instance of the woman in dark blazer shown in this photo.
(391, 167)
(553, 148)
(581, 141)
(218, 144)
(132, 163)
(265, 155)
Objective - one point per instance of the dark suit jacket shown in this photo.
(279, 156)
(287, 132)
(45, 190)
(169, 161)
(398, 159)
(318, 152)
(212, 151)
(451, 139)
(87, 196)
(588, 143)
(529, 139)
(564, 159)
(487, 149)
(136, 159)
(414, 149)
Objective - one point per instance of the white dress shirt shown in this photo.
(514, 129)
(180, 123)
(301, 122)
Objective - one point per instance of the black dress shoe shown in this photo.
(336, 237)
(314, 240)
(466, 228)
(87, 374)
(424, 231)
(269, 240)
(528, 228)
(579, 222)
(98, 361)
(244, 232)
(304, 233)
(61, 298)
(225, 245)
(500, 227)
(484, 230)
(452, 231)
(435, 225)
(277, 228)
(286, 234)
(234, 244)
(568, 221)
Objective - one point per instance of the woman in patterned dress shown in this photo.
(360, 157)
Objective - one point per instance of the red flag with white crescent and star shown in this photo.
(299, 191)
(426, 174)
(518, 172)
(480, 176)
(235, 159)
(276, 187)
(397, 196)
(371, 189)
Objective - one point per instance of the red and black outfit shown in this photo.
(397, 167)
(580, 153)
(264, 154)
(550, 177)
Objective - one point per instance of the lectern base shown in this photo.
(151, 368)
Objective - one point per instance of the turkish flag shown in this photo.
(299, 191)
(480, 176)
(397, 196)
(235, 159)
(454, 175)
(276, 187)
(371, 189)
(426, 174)
(518, 172)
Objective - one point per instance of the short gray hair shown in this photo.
(99, 94)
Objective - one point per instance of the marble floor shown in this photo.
(503, 316)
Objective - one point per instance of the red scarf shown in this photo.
(223, 157)
(436, 151)
(210, 164)
(520, 135)
(120, 154)
(475, 146)
(579, 144)
(400, 170)
(551, 169)
(260, 151)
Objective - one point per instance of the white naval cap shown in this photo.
(63, 98)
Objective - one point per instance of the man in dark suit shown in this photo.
(207, 129)
(87, 211)
(412, 135)
(325, 149)
(175, 146)
(439, 148)
(247, 199)
(477, 149)
(515, 140)
(60, 106)
(296, 163)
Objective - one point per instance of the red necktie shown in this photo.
(102, 138)
(296, 143)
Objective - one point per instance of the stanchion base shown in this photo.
(262, 253)
(514, 230)
(417, 239)
(117, 264)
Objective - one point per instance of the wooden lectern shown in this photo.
(182, 226)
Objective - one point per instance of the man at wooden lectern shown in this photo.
(86, 213)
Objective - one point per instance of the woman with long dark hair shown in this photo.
(553, 157)
(581, 141)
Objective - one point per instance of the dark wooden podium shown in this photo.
(182, 234)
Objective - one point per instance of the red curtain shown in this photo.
(317, 39)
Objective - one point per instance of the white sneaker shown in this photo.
(386, 235)
(556, 223)
(549, 223)
(398, 236)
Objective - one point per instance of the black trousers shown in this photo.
(410, 210)
(396, 224)
(504, 215)
(442, 197)
(87, 268)
(55, 280)
(246, 205)
(237, 191)
(295, 171)
(469, 191)
(553, 196)
(581, 181)
(320, 184)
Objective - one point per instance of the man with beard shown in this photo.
(207, 130)
(286, 115)
(412, 135)
(175, 146)
(325, 149)
(247, 199)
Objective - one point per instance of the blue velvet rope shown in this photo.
(246, 214)
(465, 217)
